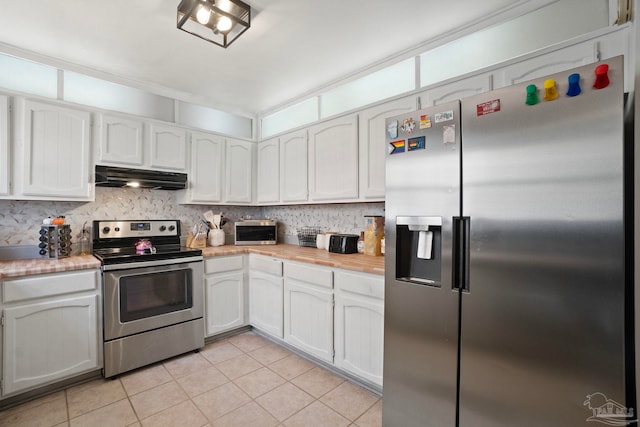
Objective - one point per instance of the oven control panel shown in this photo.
(145, 228)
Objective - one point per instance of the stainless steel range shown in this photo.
(153, 293)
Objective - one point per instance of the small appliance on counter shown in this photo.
(256, 232)
(343, 243)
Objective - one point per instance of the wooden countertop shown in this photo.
(356, 262)
(27, 267)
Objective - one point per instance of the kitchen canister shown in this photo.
(321, 241)
(216, 237)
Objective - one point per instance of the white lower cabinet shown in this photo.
(51, 329)
(359, 324)
(308, 309)
(266, 295)
(224, 294)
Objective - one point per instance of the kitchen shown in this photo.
(21, 219)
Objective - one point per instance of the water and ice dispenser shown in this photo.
(418, 249)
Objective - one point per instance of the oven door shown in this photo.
(145, 298)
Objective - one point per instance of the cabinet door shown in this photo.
(266, 303)
(268, 179)
(120, 141)
(308, 318)
(207, 162)
(49, 341)
(293, 167)
(168, 147)
(333, 160)
(373, 146)
(239, 171)
(4, 145)
(225, 302)
(56, 151)
(360, 336)
(456, 90)
(540, 66)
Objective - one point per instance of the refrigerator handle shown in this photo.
(460, 274)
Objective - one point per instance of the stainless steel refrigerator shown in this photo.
(507, 282)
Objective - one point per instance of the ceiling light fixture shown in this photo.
(217, 21)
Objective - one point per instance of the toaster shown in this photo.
(343, 243)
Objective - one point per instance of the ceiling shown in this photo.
(293, 47)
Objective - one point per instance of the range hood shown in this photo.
(109, 176)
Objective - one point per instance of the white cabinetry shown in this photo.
(266, 294)
(51, 329)
(308, 309)
(224, 294)
(333, 160)
(293, 167)
(120, 141)
(239, 171)
(456, 90)
(168, 147)
(4, 145)
(268, 177)
(552, 62)
(206, 173)
(56, 152)
(373, 150)
(359, 324)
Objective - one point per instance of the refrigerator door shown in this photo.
(421, 309)
(542, 325)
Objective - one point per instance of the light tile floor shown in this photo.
(244, 380)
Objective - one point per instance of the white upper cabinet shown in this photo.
(56, 152)
(456, 90)
(372, 137)
(207, 163)
(293, 167)
(549, 63)
(268, 178)
(120, 141)
(333, 160)
(168, 147)
(239, 171)
(4, 145)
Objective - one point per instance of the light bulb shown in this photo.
(224, 24)
(133, 184)
(203, 15)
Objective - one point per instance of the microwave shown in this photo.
(256, 232)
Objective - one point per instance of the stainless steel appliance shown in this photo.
(507, 281)
(256, 232)
(153, 292)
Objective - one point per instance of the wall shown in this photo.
(20, 220)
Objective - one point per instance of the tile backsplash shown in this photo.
(20, 220)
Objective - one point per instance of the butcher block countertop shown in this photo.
(356, 262)
(27, 267)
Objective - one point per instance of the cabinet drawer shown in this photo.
(266, 265)
(222, 264)
(362, 284)
(313, 275)
(46, 285)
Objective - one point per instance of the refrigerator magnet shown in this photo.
(444, 116)
(449, 134)
(409, 125)
(488, 107)
(392, 129)
(425, 122)
(416, 143)
(396, 147)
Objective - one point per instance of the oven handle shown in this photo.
(128, 265)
